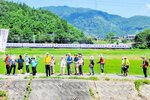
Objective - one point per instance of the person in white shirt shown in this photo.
(52, 63)
(27, 61)
(80, 62)
(62, 65)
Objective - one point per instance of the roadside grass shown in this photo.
(28, 89)
(107, 78)
(112, 56)
(139, 83)
(66, 77)
(91, 93)
(3, 95)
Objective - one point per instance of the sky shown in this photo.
(124, 8)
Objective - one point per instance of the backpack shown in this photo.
(13, 61)
(146, 63)
(30, 60)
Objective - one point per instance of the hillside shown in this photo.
(28, 24)
(100, 23)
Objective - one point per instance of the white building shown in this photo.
(130, 37)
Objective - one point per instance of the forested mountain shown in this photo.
(27, 23)
(100, 23)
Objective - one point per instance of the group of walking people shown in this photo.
(65, 61)
(126, 64)
(11, 63)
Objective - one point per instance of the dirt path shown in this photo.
(111, 76)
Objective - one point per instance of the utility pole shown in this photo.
(33, 38)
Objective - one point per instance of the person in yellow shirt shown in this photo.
(47, 64)
(126, 66)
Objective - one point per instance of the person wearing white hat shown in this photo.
(62, 65)
(91, 65)
(126, 66)
(102, 63)
(34, 65)
(27, 62)
(52, 63)
(80, 62)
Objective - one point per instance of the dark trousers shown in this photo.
(125, 71)
(69, 69)
(7, 69)
(14, 69)
(33, 71)
(27, 69)
(145, 72)
(80, 70)
(47, 68)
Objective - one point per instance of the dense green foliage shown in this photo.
(143, 39)
(139, 83)
(113, 58)
(100, 23)
(27, 23)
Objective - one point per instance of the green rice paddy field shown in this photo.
(112, 56)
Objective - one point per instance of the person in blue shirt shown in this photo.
(69, 62)
(34, 65)
(13, 64)
(76, 64)
(20, 64)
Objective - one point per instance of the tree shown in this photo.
(25, 22)
(109, 37)
(143, 39)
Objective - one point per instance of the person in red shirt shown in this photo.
(144, 66)
(7, 62)
(102, 63)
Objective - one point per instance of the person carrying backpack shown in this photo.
(102, 63)
(52, 63)
(80, 62)
(27, 61)
(7, 62)
(20, 64)
(76, 64)
(126, 66)
(34, 65)
(13, 64)
(69, 62)
(91, 65)
(144, 66)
